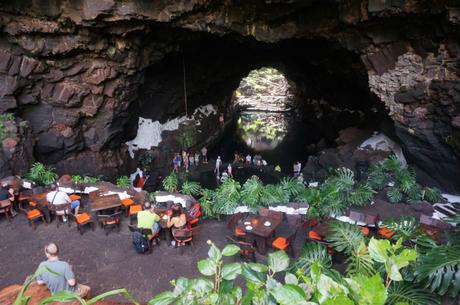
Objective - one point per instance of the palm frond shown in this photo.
(252, 191)
(392, 164)
(409, 293)
(361, 195)
(394, 195)
(377, 178)
(292, 186)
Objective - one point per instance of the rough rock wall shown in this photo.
(73, 68)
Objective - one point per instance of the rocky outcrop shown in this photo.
(81, 72)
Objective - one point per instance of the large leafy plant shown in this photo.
(41, 174)
(252, 192)
(439, 270)
(191, 188)
(171, 182)
(123, 182)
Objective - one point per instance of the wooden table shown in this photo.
(260, 233)
(105, 202)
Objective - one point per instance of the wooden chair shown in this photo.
(82, 219)
(247, 250)
(285, 243)
(193, 216)
(232, 226)
(32, 214)
(126, 203)
(109, 222)
(61, 211)
(182, 235)
(6, 208)
(133, 210)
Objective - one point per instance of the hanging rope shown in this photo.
(185, 84)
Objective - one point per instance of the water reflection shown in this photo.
(263, 131)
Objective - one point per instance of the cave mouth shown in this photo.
(263, 101)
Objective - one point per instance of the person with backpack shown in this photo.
(148, 219)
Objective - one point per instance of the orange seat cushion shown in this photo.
(75, 197)
(127, 202)
(280, 243)
(239, 232)
(364, 230)
(83, 217)
(134, 209)
(32, 203)
(193, 221)
(385, 232)
(23, 197)
(314, 235)
(34, 214)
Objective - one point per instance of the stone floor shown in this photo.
(104, 262)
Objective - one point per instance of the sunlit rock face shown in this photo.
(83, 72)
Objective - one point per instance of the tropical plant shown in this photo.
(361, 195)
(377, 177)
(432, 194)
(311, 253)
(77, 179)
(123, 182)
(439, 270)
(252, 192)
(407, 293)
(206, 201)
(273, 194)
(171, 182)
(89, 179)
(405, 227)
(217, 287)
(191, 188)
(227, 197)
(393, 257)
(145, 159)
(291, 186)
(41, 174)
(394, 195)
(349, 239)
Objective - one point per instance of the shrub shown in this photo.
(123, 182)
(41, 174)
(394, 195)
(432, 194)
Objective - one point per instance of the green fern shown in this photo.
(409, 293)
(41, 174)
(377, 178)
(273, 194)
(291, 186)
(392, 164)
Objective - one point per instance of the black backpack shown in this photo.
(140, 243)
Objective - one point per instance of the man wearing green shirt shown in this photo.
(147, 219)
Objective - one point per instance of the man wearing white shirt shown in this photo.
(57, 197)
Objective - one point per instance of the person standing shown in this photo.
(62, 277)
(248, 159)
(204, 153)
(176, 162)
(218, 165)
(197, 158)
(229, 170)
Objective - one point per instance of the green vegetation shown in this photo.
(41, 174)
(5, 117)
(123, 182)
(77, 179)
(401, 182)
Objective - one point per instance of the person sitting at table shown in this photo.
(177, 220)
(57, 197)
(148, 219)
(7, 193)
(58, 275)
